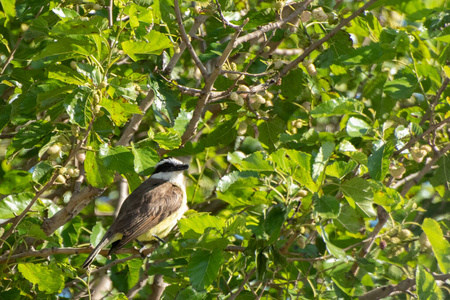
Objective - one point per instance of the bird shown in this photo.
(151, 211)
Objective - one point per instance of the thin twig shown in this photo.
(187, 41)
(430, 112)
(275, 25)
(173, 61)
(408, 185)
(225, 21)
(244, 282)
(414, 140)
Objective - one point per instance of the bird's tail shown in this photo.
(96, 251)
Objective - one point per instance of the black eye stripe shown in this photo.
(170, 166)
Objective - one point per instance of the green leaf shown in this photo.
(427, 289)
(339, 168)
(244, 191)
(13, 205)
(349, 219)
(204, 267)
(78, 107)
(49, 280)
(297, 164)
(31, 227)
(118, 158)
(199, 222)
(255, 162)
(97, 234)
(81, 26)
(155, 43)
(145, 158)
(357, 127)
(226, 181)
(120, 110)
(168, 140)
(441, 247)
(359, 193)
(321, 159)
(401, 88)
(327, 207)
(42, 173)
(97, 174)
(364, 55)
(340, 106)
(33, 135)
(333, 249)
(269, 132)
(378, 162)
(66, 74)
(222, 134)
(15, 181)
(9, 8)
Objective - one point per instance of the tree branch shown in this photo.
(414, 140)
(402, 286)
(206, 91)
(409, 184)
(16, 220)
(173, 61)
(187, 41)
(275, 25)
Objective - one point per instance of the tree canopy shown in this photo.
(316, 130)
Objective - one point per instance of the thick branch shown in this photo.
(402, 286)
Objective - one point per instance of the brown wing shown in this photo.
(147, 206)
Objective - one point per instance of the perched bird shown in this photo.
(150, 211)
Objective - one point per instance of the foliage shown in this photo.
(317, 133)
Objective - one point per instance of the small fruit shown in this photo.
(301, 241)
(302, 193)
(63, 171)
(266, 49)
(234, 96)
(311, 69)
(102, 85)
(397, 171)
(417, 154)
(305, 16)
(319, 14)
(404, 234)
(73, 64)
(73, 172)
(383, 244)
(97, 109)
(81, 156)
(424, 242)
(97, 6)
(60, 179)
(54, 149)
(240, 101)
(242, 128)
(426, 148)
(395, 240)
